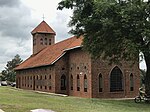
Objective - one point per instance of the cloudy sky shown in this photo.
(19, 17)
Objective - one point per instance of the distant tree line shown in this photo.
(9, 74)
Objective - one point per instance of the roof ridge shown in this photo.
(61, 42)
(70, 43)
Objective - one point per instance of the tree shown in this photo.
(9, 73)
(142, 75)
(118, 29)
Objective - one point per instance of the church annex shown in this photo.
(65, 68)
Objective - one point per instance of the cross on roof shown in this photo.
(43, 17)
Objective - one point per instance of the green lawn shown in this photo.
(14, 100)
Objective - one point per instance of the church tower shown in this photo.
(43, 36)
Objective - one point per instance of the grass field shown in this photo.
(14, 100)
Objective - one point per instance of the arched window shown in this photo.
(41, 41)
(63, 82)
(71, 81)
(30, 81)
(100, 83)
(116, 80)
(78, 83)
(85, 83)
(50, 42)
(22, 81)
(45, 41)
(50, 82)
(131, 82)
(25, 81)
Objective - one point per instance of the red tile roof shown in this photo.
(50, 54)
(43, 27)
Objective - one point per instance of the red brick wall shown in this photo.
(40, 79)
(100, 66)
(61, 68)
(38, 46)
(79, 62)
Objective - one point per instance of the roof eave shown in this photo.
(58, 58)
(43, 65)
(32, 67)
(72, 48)
(43, 32)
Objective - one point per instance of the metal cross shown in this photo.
(43, 17)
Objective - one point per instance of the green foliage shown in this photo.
(113, 29)
(9, 73)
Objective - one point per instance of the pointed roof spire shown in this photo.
(43, 27)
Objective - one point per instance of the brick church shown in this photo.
(65, 68)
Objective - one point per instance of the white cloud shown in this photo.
(14, 30)
(19, 17)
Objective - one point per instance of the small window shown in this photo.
(45, 77)
(50, 42)
(131, 83)
(50, 82)
(63, 68)
(71, 81)
(78, 83)
(45, 41)
(85, 83)
(41, 41)
(100, 83)
(37, 77)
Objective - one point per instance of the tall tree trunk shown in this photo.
(147, 78)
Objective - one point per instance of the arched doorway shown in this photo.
(63, 82)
